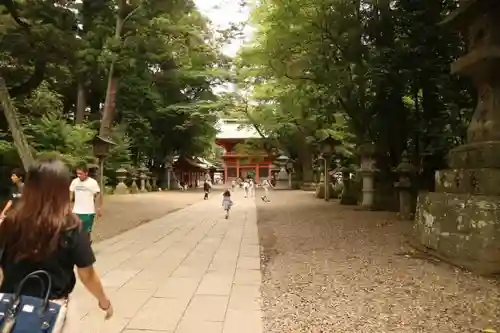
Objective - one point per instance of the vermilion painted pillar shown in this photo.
(225, 171)
(237, 168)
(257, 173)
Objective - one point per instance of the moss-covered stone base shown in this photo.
(461, 229)
(320, 192)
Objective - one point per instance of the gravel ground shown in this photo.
(332, 269)
(124, 212)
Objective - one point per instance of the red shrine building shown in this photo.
(231, 133)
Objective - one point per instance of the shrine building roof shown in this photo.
(235, 129)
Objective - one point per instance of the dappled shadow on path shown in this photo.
(331, 268)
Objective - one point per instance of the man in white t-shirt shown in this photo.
(86, 192)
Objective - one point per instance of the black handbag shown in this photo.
(28, 314)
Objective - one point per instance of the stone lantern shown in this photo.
(459, 222)
(168, 170)
(101, 148)
(121, 175)
(282, 177)
(327, 148)
(133, 187)
(149, 177)
(367, 171)
(143, 177)
(406, 172)
(154, 182)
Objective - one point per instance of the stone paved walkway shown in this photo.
(191, 271)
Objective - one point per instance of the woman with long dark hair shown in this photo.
(41, 233)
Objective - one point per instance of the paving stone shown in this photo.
(248, 276)
(215, 283)
(194, 326)
(243, 321)
(248, 262)
(178, 288)
(159, 314)
(207, 308)
(245, 297)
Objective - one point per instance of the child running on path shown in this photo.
(227, 203)
(246, 187)
(266, 184)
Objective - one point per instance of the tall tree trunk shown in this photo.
(108, 113)
(10, 112)
(81, 103)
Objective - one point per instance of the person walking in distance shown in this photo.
(86, 193)
(251, 189)
(227, 203)
(266, 184)
(17, 177)
(206, 189)
(43, 234)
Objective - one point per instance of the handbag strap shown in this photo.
(37, 275)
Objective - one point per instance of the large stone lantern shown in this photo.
(460, 221)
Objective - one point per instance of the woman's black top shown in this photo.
(15, 193)
(74, 250)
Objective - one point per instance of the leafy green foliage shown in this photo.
(356, 71)
(167, 60)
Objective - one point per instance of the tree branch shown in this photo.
(252, 121)
(288, 76)
(33, 82)
(12, 9)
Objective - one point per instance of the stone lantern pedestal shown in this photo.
(143, 177)
(320, 187)
(367, 171)
(121, 188)
(348, 196)
(149, 178)
(406, 172)
(154, 183)
(133, 186)
(460, 222)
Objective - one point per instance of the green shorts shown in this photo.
(87, 221)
